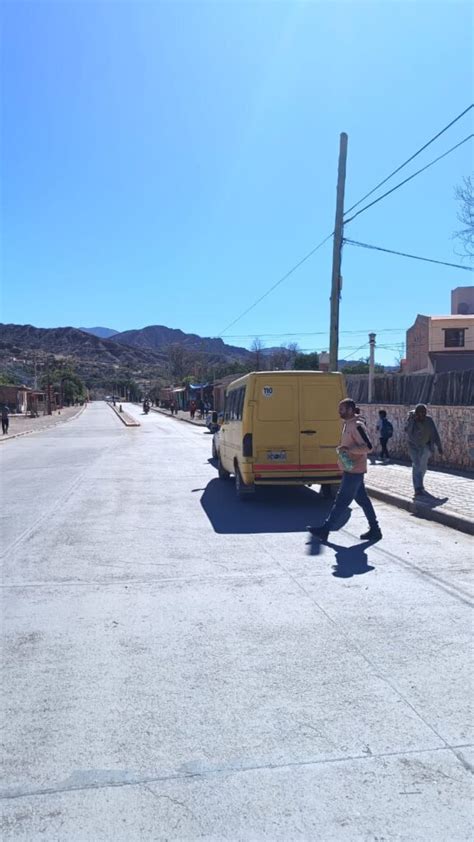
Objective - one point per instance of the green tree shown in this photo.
(306, 362)
(362, 367)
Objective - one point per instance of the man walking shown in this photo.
(352, 457)
(422, 438)
(5, 419)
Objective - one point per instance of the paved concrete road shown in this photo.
(181, 666)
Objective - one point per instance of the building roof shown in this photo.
(457, 316)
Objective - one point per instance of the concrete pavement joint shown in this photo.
(127, 582)
(6, 795)
(60, 502)
(351, 644)
(456, 593)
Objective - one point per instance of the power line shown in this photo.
(366, 207)
(312, 333)
(406, 180)
(410, 159)
(365, 345)
(412, 256)
(280, 281)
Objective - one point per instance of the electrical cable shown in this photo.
(409, 159)
(365, 345)
(287, 275)
(412, 256)
(312, 333)
(366, 207)
(406, 180)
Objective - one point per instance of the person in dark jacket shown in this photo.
(5, 419)
(422, 438)
(385, 432)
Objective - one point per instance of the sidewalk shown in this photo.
(181, 416)
(449, 499)
(21, 425)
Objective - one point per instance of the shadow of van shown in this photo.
(274, 509)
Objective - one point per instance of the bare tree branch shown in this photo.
(464, 194)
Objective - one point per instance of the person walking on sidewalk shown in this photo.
(385, 432)
(5, 419)
(422, 438)
(352, 457)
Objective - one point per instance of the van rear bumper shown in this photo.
(301, 479)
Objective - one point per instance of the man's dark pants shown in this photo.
(351, 488)
(383, 443)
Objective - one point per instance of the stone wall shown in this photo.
(455, 426)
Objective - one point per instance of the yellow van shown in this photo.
(281, 428)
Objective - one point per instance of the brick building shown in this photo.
(443, 343)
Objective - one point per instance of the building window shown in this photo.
(454, 337)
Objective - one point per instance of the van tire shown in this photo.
(223, 474)
(329, 491)
(243, 492)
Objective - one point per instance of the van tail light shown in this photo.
(247, 445)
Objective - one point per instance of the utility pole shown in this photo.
(337, 255)
(371, 365)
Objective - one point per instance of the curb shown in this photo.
(462, 524)
(44, 429)
(124, 417)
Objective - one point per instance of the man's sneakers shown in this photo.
(374, 534)
(320, 532)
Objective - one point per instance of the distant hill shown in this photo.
(101, 332)
(100, 362)
(141, 355)
(159, 338)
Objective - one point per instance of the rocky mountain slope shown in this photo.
(149, 358)
(102, 332)
(159, 337)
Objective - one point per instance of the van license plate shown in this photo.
(276, 455)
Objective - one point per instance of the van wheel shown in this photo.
(244, 492)
(223, 474)
(329, 491)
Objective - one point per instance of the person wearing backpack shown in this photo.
(385, 432)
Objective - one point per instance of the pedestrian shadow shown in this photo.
(272, 509)
(350, 561)
(430, 501)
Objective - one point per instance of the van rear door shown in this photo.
(320, 426)
(275, 425)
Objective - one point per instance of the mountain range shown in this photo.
(141, 354)
(159, 338)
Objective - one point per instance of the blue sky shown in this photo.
(166, 163)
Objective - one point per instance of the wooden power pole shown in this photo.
(371, 366)
(337, 255)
